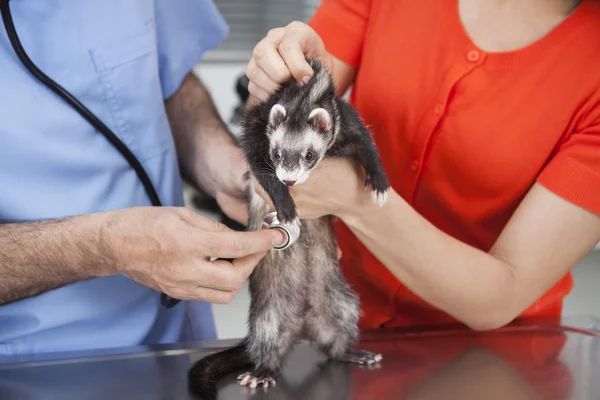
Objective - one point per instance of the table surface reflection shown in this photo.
(542, 359)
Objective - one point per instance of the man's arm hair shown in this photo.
(197, 128)
(36, 257)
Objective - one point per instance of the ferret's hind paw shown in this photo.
(379, 197)
(361, 357)
(247, 379)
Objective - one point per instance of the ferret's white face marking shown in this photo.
(296, 153)
(292, 177)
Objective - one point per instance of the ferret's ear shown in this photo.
(320, 119)
(277, 115)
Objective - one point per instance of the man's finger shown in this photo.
(217, 275)
(245, 265)
(229, 276)
(209, 295)
(199, 221)
(221, 275)
(238, 244)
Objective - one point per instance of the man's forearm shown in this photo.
(197, 130)
(39, 256)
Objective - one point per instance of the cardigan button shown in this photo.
(473, 56)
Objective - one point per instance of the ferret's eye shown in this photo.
(309, 156)
(276, 155)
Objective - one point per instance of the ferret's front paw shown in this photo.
(379, 186)
(378, 197)
(293, 225)
(247, 379)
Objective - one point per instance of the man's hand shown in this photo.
(170, 250)
(167, 249)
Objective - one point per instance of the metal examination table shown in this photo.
(543, 359)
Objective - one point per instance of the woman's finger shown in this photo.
(260, 78)
(267, 57)
(258, 92)
(292, 52)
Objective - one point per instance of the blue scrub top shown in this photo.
(121, 59)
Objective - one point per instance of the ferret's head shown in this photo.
(298, 141)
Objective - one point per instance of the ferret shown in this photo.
(300, 292)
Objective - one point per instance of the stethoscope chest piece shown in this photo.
(270, 221)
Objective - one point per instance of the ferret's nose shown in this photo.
(289, 183)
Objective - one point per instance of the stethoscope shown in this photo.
(270, 220)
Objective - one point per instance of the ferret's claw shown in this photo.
(379, 198)
(247, 379)
(244, 379)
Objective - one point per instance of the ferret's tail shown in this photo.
(204, 375)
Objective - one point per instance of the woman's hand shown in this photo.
(336, 187)
(282, 54)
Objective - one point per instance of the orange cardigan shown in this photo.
(463, 133)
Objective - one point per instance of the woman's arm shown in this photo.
(544, 239)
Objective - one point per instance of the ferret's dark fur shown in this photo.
(298, 292)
